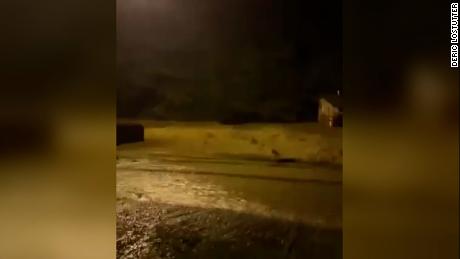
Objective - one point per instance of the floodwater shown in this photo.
(301, 192)
(185, 194)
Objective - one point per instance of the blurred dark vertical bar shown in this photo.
(57, 129)
(400, 180)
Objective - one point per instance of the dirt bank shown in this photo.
(306, 142)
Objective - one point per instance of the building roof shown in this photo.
(335, 100)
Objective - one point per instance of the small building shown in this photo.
(129, 133)
(330, 111)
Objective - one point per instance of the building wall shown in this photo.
(326, 111)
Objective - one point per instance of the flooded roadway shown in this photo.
(203, 207)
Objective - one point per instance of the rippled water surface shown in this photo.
(301, 192)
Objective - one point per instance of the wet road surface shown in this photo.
(171, 206)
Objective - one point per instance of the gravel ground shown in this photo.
(147, 229)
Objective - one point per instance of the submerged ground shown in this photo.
(204, 190)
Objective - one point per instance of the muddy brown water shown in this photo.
(230, 208)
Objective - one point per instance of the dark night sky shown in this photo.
(221, 60)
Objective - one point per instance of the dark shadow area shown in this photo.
(235, 61)
(21, 137)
